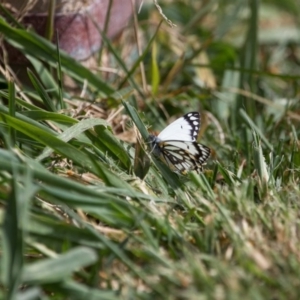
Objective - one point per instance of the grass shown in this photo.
(87, 213)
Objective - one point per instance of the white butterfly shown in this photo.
(177, 144)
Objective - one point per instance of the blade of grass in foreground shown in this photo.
(73, 132)
(58, 268)
(5, 111)
(9, 160)
(14, 229)
(78, 291)
(67, 150)
(48, 139)
(30, 294)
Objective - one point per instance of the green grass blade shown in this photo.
(59, 77)
(113, 146)
(72, 132)
(31, 294)
(254, 127)
(49, 140)
(155, 76)
(79, 291)
(45, 77)
(14, 229)
(136, 120)
(58, 268)
(42, 115)
(12, 110)
(249, 58)
(41, 91)
(4, 110)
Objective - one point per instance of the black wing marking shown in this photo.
(193, 118)
(184, 156)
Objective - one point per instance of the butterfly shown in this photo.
(177, 145)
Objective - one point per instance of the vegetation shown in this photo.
(87, 213)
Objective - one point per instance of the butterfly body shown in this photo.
(177, 144)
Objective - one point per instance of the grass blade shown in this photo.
(58, 268)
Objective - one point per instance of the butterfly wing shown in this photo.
(177, 146)
(185, 128)
(182, 156)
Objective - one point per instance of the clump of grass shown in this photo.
(85, 211)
